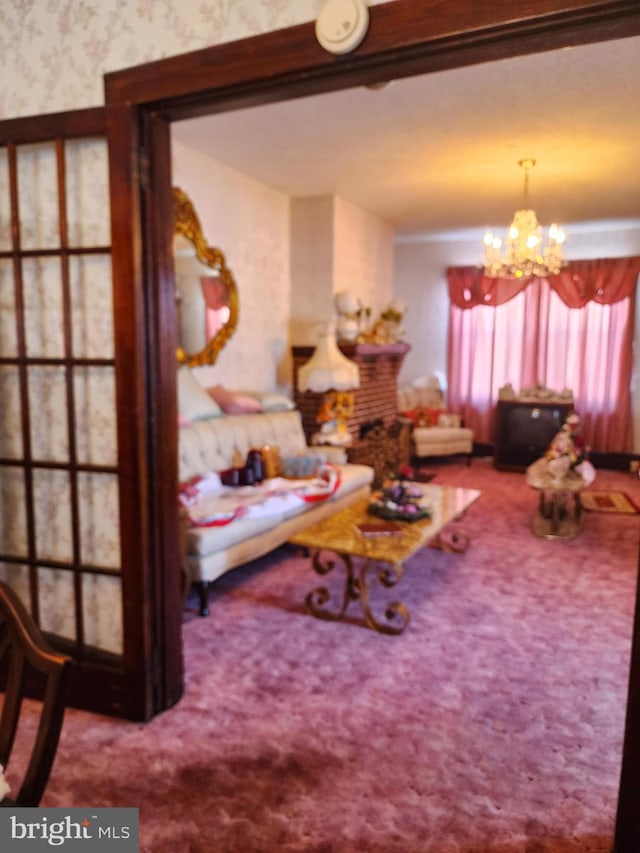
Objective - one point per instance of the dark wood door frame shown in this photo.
(142, 270)
(405, 37)
(101, 681)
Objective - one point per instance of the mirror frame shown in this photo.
(187, 223)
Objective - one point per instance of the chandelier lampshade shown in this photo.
(524, 252)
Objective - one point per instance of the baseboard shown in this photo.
(480, 449)
(599, 459)
(614, 461)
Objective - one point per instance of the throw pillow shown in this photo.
(272, 401)
(412, 415)
(423, 417)
(193, 401)
(234, 402)
(432, 416)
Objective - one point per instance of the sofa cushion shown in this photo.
(193, 401)
(234, 402)
(441, 441)
(216, 444)
(206, 540)
(441, 433)
(271, 401)
(352, 478)
(210, 566)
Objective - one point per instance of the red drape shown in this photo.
(533, 337)
(602, 281)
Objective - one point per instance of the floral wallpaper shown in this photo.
(55, 52)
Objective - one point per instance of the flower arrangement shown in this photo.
(566, 451)
(387, 328)
(4, 785)
(393, 313)
(398, 500)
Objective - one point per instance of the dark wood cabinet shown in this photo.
(524, 430)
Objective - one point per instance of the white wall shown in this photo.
(336, 246)
(364, 250)
(312, 254)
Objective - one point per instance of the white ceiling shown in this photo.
(440, 152)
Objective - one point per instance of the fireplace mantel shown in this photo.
(358, 351)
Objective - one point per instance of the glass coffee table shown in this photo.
(339, 540)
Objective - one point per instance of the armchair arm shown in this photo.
(450, 420)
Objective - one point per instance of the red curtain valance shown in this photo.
(605, 281)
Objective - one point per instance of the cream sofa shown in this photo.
(215, 443)
(435, 431)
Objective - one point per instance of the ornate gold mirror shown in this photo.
(206, 293)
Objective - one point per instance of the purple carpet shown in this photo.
(493, 724)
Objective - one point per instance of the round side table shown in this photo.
(559, 514)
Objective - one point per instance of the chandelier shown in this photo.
(524, 253)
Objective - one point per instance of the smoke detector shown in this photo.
(342, 25)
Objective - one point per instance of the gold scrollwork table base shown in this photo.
(356, 588)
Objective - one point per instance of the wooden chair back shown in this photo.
(27, 659)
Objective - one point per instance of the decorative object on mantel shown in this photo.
(388, 327)
(330, 372)
(524, 252)
(352, 316)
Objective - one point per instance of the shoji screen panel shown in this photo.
(59, 513)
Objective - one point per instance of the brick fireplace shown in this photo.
(375, 400)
